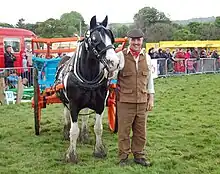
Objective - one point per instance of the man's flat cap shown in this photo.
(135, 33)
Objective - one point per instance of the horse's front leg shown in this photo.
(71, 155)
(84, 133)
(99, 150)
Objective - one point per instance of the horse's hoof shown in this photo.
(72, 158)
(100, 152)
(66, 132)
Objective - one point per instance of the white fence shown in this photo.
(163, 67)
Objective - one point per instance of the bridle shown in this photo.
(100, 55)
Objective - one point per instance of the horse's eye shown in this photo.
(93, 38)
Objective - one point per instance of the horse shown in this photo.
(85, 77)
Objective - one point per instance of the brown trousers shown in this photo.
(131, 116)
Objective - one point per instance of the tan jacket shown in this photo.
(133, 79)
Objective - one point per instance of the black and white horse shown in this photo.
(85, 80)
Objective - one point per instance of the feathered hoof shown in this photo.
(100, 152)
(72, 158)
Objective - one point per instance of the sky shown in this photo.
(118, 11)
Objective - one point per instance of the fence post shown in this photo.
(2, 89)
(19, 90)
(214, 65)
(166, 68)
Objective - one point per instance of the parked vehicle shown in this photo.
(18, 39)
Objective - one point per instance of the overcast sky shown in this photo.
(117, 10)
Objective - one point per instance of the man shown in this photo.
(135, 97)
(9, 57)
(28, 53)
(195, 53)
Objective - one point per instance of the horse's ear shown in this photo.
(105, 21)
(93, 22)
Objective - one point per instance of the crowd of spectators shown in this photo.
(182, 53)
(174, 58)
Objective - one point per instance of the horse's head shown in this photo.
(100, 40)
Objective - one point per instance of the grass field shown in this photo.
(183, 135)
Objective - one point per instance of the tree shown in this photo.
(20, 23)
(50, 28)
(217, 21)
(155, 25)
(147, 16)
(119, 30)
(194, 27)
(31, 27)
(160, 32)
(209, 31)
(6, 25)
(122, 31)
(66, 26)
(73, 21)
(183, 34)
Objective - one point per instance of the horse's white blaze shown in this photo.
(111, 54)
(74, 134)
(98, 129)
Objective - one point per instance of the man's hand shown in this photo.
(150, 102)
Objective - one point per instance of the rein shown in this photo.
(99, 80)
(79, 80)
(72, 65)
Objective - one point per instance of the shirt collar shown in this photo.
(141, 52)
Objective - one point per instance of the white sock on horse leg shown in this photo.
(74, 133)
(98, 128)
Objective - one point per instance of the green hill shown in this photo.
(182, 22)
(202, 20)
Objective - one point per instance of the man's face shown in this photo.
(28, 47)
(136, 43)
(9, 49)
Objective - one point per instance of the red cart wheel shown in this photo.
(37, 107)
(112, 110)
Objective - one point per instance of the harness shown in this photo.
(72, 67)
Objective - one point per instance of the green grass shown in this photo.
(183, 135)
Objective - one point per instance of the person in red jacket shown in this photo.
(188, 54)
(179, 65)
